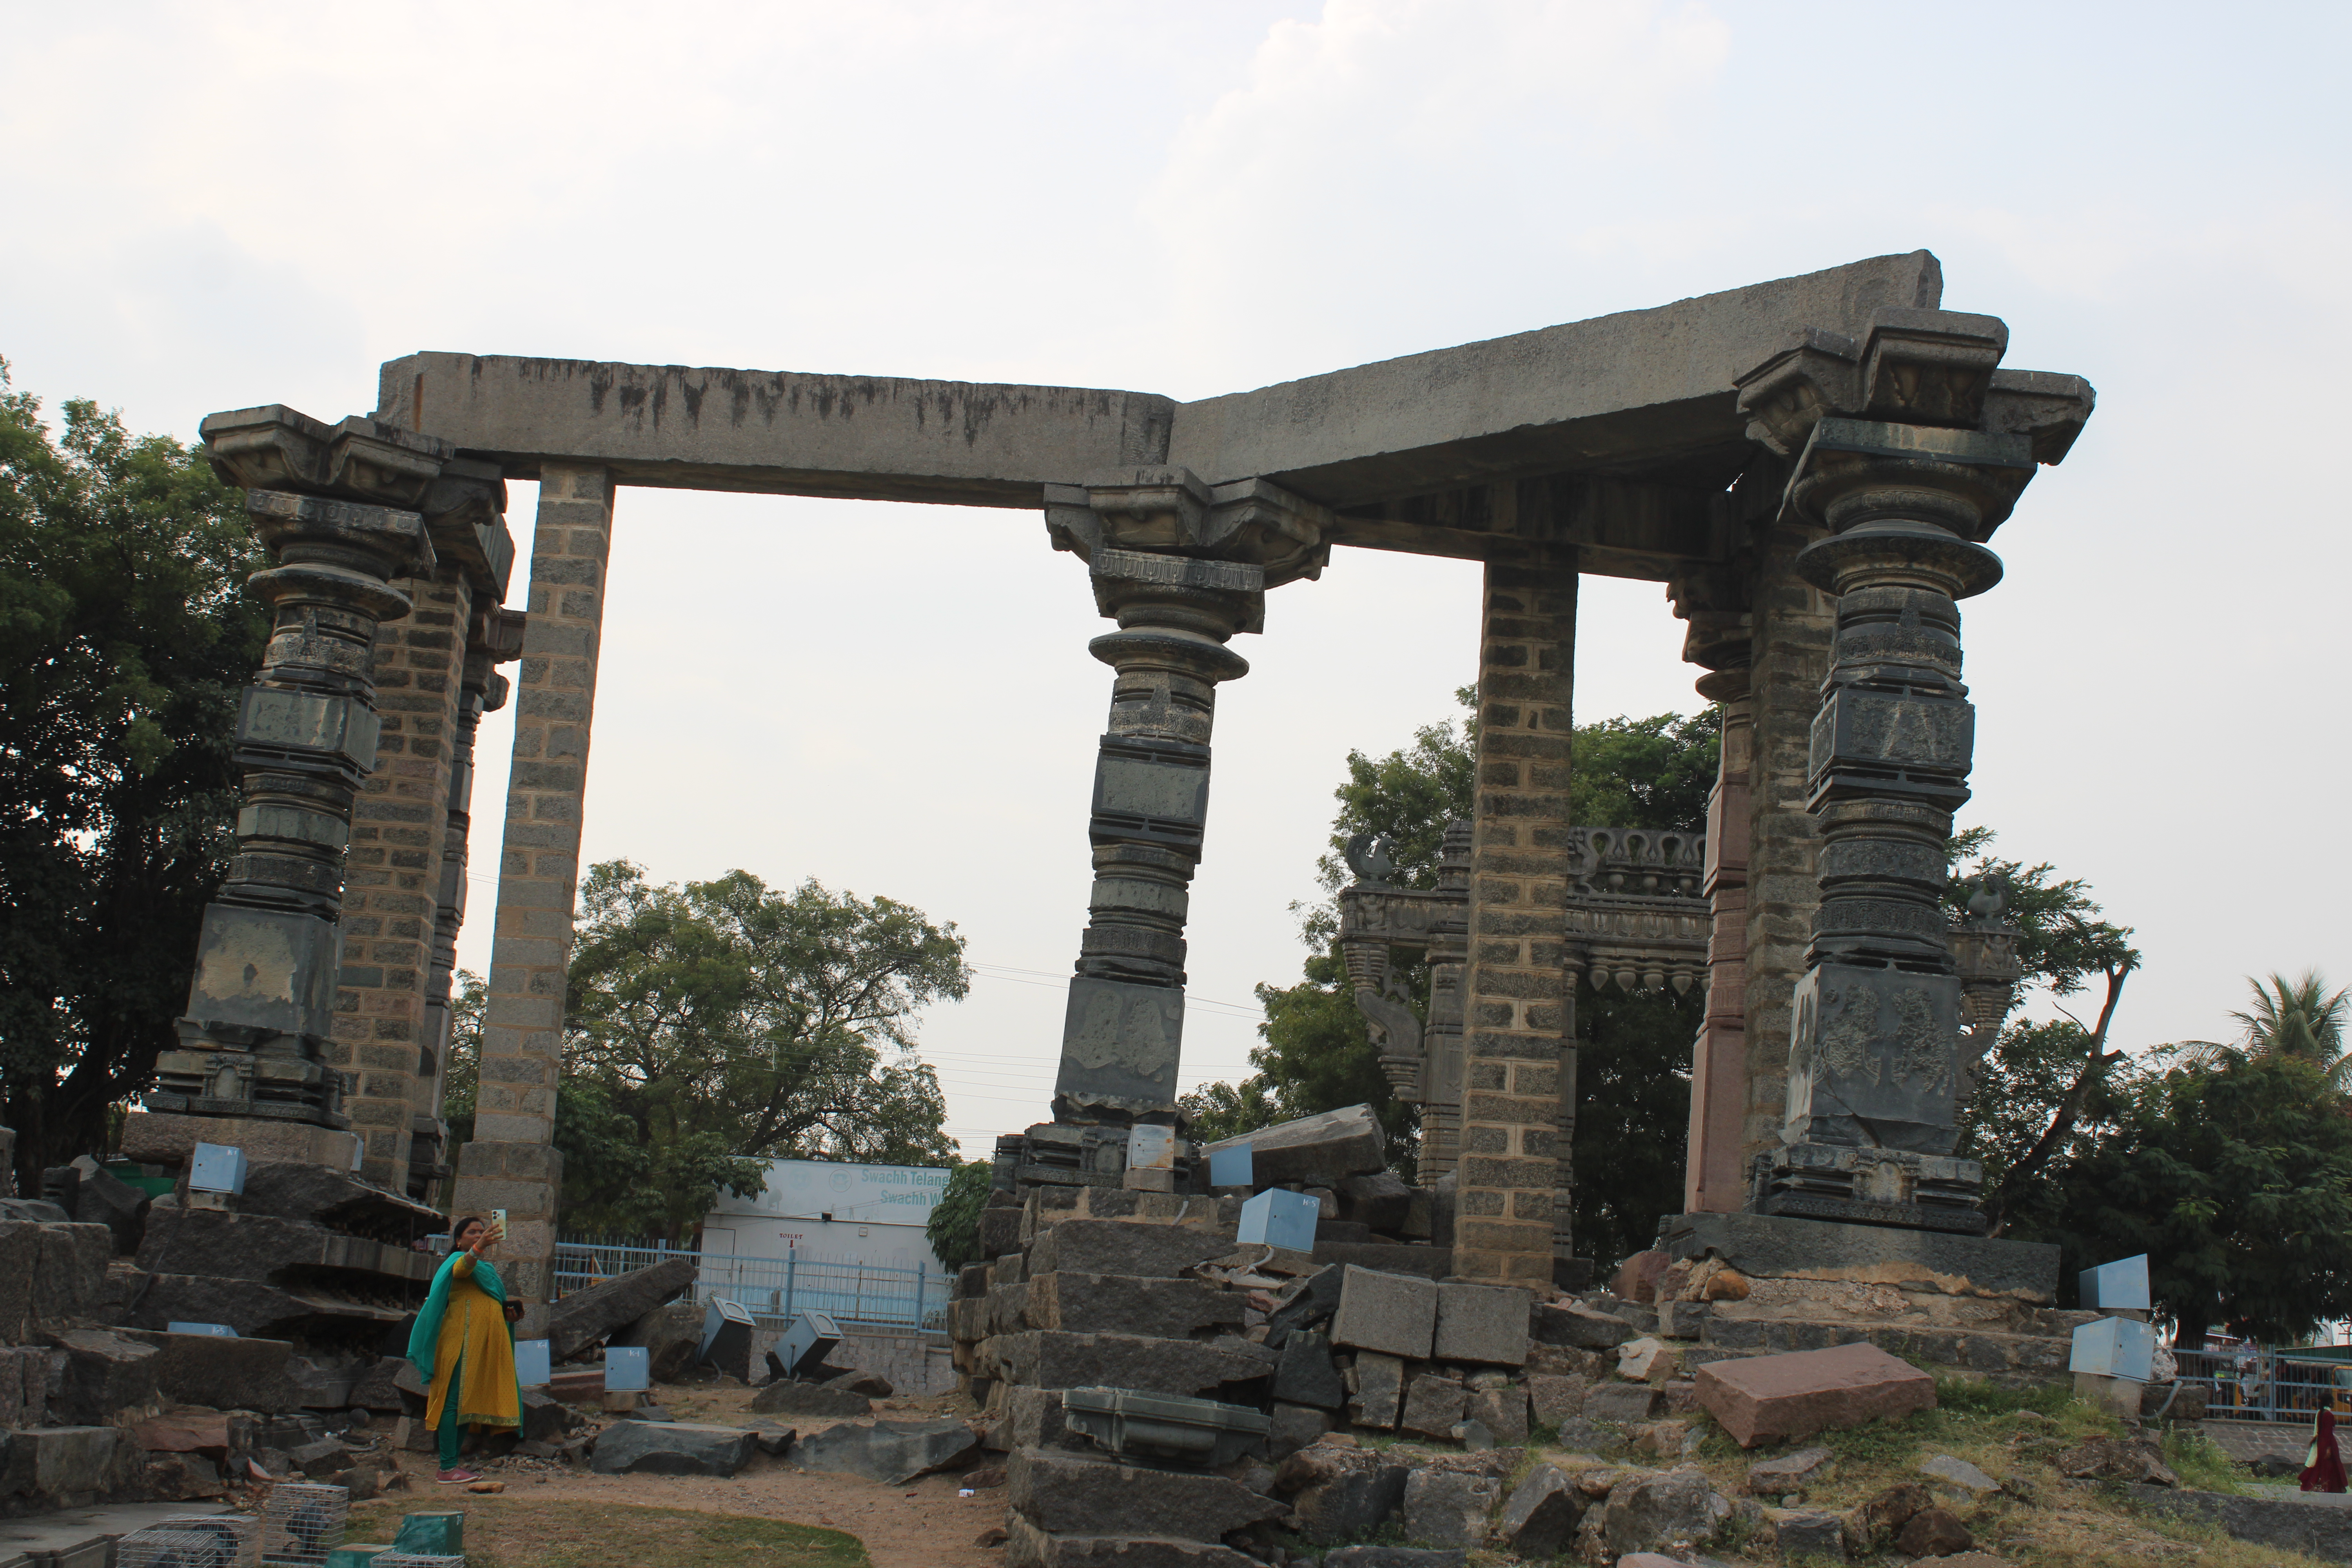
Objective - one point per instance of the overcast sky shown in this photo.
(218, 206)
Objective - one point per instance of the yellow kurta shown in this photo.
(474, 1340)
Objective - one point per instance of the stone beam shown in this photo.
(1646, 392)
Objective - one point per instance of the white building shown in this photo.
(836, 1214)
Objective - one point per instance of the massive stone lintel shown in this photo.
(1648, 391)
(1767, 1246)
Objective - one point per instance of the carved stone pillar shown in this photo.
(1183, 567)
(1513, 1177)
(1716, 1172)
(1906, 499)
(512, 1162)
(1449, 958)
(334, 504)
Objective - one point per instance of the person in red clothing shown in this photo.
(2323, 1464)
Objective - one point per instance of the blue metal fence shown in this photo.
(773, 1289)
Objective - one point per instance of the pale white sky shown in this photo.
(213, 207)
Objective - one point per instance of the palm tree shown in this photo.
(2292, 1019)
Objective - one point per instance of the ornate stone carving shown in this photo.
(330, 503)
(1876, 1063)
(1123, 1033)
(1176, 512)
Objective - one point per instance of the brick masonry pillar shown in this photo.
(1795, 626)
(392, 875)
(511, 1162)
(1714, 1175)
(1512, 1214)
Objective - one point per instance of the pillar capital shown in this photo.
(1175, 512)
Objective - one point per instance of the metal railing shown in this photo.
(2260, 1383)
(773, 1289)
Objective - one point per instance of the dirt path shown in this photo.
(918, 1525)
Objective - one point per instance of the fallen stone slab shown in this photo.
(2138, 1461)
(1432, 1405)
(1044, 1358)
(1778, 1246)
(774, 1438)
(1669, 1511)
(1026, 1546)
(51, 1276)
(672, 1448)
(1295, 1427)
(1624, 1402)
(1573, 1325)
(1598, 1438)
(1351, 1503)
(185, 1432)
(1120, 1246)
(1448, 1507)
(224, 1374)
(872, 1385)
(1127, 1304)
(669, 1335)
(1378, 1389)
(1484, 1324)
(105, 1375)
(1064, 1493)
(1808, 1532)
(583, 1317)
(1797, 1394)
(1306, 1373)
(1381, 1200)
(1540, 1518)
(69, 1467)
(1394, 1314)
(1934, 1532)
(1309, 1301)
(102, 1197)
(1871, 1526)
(1786, 1473)
(1502, 1412)
(889, 1451)
(1319, 1151)
(810, 1399)
(1647, 1360)
(1556, 1399)
(1426, 1262)
(1960, 1476)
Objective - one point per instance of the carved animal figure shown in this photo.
(1987, 897)
(1371, 858)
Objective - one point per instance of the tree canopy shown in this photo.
(2299, 1017)
(953, 1229)
(712, 1027)
(124, 639)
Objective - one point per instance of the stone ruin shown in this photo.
(1812, 467)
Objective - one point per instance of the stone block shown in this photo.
(1305, 1375)
(1064, 1493)
(1776, 1247)
(669, 1335)
(101, 1197)
(183, 1432)
(1448, 1507)
(1314, 1150)
(1380, 1200)
(1948, 1473)
(1624, 1402)
(1295, 1427)
(1121, 1246)
(1554, 1360)
(1502, 1412)
(1808, 1532)
(1125, 1304)
(1556, 1399)
(1350, 1504)
(1573, 1325)
(240, 1373)
(1309, 1301)
(1540, 1519)
(1026, 1546)
(1432, 1405)
(601, 1311)
(1032, 1417)
(1934, 1532)
(1394, 1314)
(810, 1399)
(1396, 1557)
(181, 1477)
(1647, 1360)
(1668, 1511)
(1579, 1436)
(672, 1448)
(1790, 1472)
(1048, 1358)
(892, 1452)
(1796, 1396)
(106, 1376)
(1427, 1262)
(1376, 1389)
(1872, 1525)
(69, 1467)
(1486, 1324)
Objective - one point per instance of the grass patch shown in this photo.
(1980, 1397)
(501, 1533)
(2201, 1464)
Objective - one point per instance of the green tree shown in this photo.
(1634, 1060)
(124, 639)
(2292, 1018)
(713, 1026)
(954, 1228)
(2036, 1080)
(2235, 1178)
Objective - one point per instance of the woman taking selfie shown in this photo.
(463, 1346)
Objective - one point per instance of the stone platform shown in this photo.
(1779, 1247)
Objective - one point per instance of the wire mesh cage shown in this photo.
(239, 1533)
(301, 1523)
(155, 1547)
(414, 1560)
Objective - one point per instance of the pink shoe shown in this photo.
(457, 1477)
